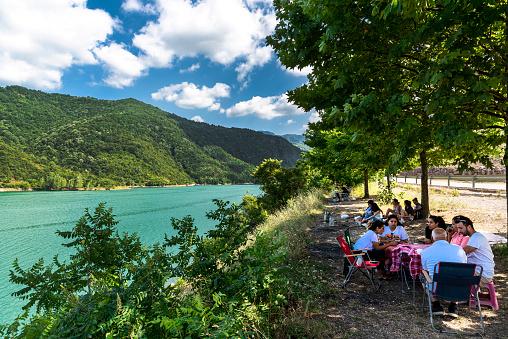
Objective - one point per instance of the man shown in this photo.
(441, 250)
(417, 209)
(477, 249)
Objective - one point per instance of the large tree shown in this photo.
(469, 74)
(371, 73)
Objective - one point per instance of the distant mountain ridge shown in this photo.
(295, 139)
(55, 141)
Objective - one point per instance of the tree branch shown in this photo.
(495, 126)
(498, 96)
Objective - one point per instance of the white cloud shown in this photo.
(264, 108)
(314, 117)
(214, 107)
(137, 6)
(223, 31)
(289, 122)
(120, 65)
(189, 96)
(190, 69)
(258, 58)
(298, 72)
(40, 39)
(197, 118)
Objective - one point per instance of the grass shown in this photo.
(501, 250)
(306, 279)
(293, 221)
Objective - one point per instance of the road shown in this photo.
(458, 184)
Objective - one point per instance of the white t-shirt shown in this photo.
(366, 240)
(441, 250)
(399, 233)
(482, 255)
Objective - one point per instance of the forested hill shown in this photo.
(54, 141)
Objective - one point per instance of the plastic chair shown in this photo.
(356, 263)
(455, 282)
(492, 299)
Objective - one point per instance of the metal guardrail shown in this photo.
(474, 179)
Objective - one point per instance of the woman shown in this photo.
(375, 251)
(394, 230)
(454, 237)
(373, 212)
(408, 211)
(397, 209)
(433, 222)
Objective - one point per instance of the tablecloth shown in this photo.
(407, 255)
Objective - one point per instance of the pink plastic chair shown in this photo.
(492, 299)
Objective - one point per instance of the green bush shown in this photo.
(501, 250)
(114, 286)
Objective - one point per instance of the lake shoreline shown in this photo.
(112, 189)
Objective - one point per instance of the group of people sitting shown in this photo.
(341, 194)
(408, 212)
(373, 212)
(459, 242)
(381, 234)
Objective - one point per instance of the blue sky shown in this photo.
(203, 60)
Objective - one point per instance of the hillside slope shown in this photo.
(55, 141)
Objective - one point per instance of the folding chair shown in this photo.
(404, 271)
(352, 234)
(455, 282)
(356, 263)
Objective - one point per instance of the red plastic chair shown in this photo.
(356, 263)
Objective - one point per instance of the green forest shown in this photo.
(55, 141)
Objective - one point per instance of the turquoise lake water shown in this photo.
(28, 221)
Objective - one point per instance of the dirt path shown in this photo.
(358, 312)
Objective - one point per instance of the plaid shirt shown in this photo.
(406, 254)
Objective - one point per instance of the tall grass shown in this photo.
(304, 278)
(295, 219)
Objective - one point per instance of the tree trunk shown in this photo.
(366, 183)
(505, 161)
(424, 184)
(389, 184)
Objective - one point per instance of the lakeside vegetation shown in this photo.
(54, 141)
(243, 279)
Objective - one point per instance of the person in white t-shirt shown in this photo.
(441, 250)
(477, 249)
(369, 244)
(394, 230)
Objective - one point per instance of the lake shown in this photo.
(29, 220)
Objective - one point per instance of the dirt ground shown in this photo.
(356, 311)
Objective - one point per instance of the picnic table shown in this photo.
(407, 255)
